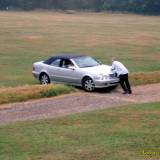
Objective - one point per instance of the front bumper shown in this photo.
(106, 83)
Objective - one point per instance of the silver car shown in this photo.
(78, 70)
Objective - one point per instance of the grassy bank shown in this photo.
(141, 78)
(27, 37)
(120, 133)
(18, 94)
(24, 93)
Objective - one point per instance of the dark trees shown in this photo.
(136, 6)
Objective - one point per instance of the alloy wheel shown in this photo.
(44, 79)
(88, 85)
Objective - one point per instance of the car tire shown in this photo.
(88, 84)
(44, 79)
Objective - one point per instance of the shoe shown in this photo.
(130, 92)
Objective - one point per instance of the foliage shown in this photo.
(137, 6)
(56, 90)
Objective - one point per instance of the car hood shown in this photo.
(101, 69)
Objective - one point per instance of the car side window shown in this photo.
(56, 63)
(65, 63)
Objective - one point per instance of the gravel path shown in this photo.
(76, 102)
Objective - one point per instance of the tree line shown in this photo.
(135, 6)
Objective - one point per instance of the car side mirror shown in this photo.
(71, 67)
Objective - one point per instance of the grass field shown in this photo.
(128, 132)
(26, 37)
(123, 133)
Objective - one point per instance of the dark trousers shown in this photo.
(124, 82)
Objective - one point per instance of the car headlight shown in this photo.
(100, 77)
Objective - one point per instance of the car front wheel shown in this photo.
(88, 85)
(44, 79)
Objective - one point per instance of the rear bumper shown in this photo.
(35, 74)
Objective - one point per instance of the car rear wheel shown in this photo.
(44, 79)
(88, 84)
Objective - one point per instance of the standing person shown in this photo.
(122, 73)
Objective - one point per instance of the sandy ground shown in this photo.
(77, 102)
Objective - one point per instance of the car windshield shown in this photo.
(86, 61)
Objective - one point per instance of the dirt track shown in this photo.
(77, 102)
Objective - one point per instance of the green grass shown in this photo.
(27, 37)
(122, 133)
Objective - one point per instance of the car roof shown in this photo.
(62, 56)
(68, 56)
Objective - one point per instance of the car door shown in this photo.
(54, 70)
(59, 71)
(68, 72)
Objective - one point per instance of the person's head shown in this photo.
(113, 59)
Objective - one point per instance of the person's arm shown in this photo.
(113, 66)
(113, 69)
